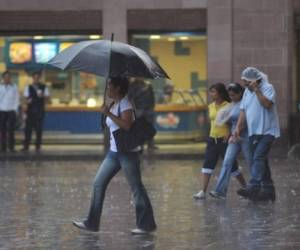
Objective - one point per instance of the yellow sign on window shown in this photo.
(64, 45)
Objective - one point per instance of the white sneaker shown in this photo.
(140, 231)
(201, 195)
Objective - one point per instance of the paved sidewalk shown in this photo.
(94, 152)
(39, 200)
(182, 151)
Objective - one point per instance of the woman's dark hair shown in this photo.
(221, 89)
(236, 88)
(122, 83)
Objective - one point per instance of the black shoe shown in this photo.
(243, 192)
(248, 193)
(81, 225)
(266, 195)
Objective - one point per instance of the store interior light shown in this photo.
(38, 37)
(95, 37)
(155, 37)
(91, 102)
(184, 38)
(171, 39)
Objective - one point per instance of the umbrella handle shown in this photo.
(103, 117)
(104, 95)
(111, 41)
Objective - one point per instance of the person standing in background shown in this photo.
(9, 104)
(36, 94)
(142, 95)
(166, 95)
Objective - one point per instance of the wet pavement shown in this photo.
(39, 200)
(191, 150)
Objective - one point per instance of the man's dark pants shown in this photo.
(7, 127)
(261, 178)
(35, 122)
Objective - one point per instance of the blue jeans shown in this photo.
(130, 164)
(260, 146)
(233, 149)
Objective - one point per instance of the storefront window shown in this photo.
(184, 57)
(24, 55)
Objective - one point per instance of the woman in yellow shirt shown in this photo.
(217, 140)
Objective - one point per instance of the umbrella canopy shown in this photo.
(108, 59)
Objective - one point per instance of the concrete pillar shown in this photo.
(115, 20)
(219, 37)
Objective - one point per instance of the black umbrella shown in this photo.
(108, 59)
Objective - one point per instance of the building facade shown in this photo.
(234, 33)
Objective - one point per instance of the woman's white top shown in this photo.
(124, 105)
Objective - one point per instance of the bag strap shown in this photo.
(112, 104)
(119, 110)
(103, 117)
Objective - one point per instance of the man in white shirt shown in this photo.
(258, 111)
(9, 103)
(36, 94)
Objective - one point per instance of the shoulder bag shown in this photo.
(140, 131)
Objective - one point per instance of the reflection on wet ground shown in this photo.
(40, 199)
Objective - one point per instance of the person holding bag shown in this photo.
(119, 116)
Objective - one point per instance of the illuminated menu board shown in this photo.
(44, 51)
(20, 52)
(31, 54)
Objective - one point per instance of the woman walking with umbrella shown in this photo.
(116, 62)
(119, 115)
